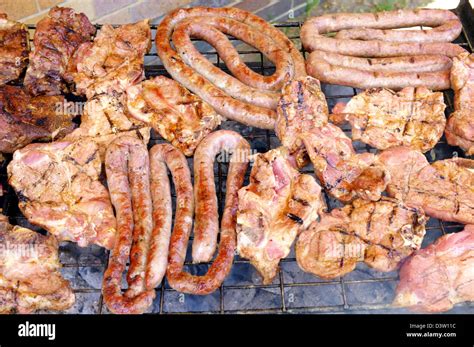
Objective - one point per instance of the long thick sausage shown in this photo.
(257, 32)
(313, 30)
(162, 158)
(206, 215)
(127, 169)
(358, 78)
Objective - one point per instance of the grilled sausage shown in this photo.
(206, 23)
(127, 169)
(206, 227)
(358, 78)
(162, 158)
(402, 42)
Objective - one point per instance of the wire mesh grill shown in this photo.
(362, 291)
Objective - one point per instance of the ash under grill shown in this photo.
(293, 291)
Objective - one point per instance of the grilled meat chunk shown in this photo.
(301, 108)
(302, 126)
(59, 189)
(30, 277)
(278, 203)
(344, 173)
(460, 127)
(440, 275)
(382, 118)
(14, 47)
(104, 119)
(179, 116)
(24, 119)
(381, 234)
(444, 189)
(56, 39)
(113, 61)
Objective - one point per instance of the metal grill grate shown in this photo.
(293, 291)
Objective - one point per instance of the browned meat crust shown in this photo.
(14, 47)
(440, 275)
(301, 108)
(113, 61)
(59, 189)
(128, 178)
(24, 119)
(30, 277)
(56, 38)
(444, 189)
(240, 98)
(104, 119)
(303, 115)
(278, 203)
(460, 127)
(382, 118)
(381, 234)
(179, 116)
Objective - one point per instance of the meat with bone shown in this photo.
(24, 119)
(460, 127)
(59, 189)
(364, 54)
(440, 275)
(444, 189)
(248, 98)
(278, 203)
(179, 116)
(382, 118)
(30, 277)
(301, 108)
(104, 119)
(56, 38)
(207, 218)
(14, 47)
(113, 61)
(380, 233)
(128, 178)
(303, 115)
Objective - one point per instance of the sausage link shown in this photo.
(364, 79)
(127, 170)
(245, 112)
(206, 215)
(314, 28)
(162, 157)
(416, 63)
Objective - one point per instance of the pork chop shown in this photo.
(444, 189)
(59, 189)
(30, 277)
(380, 233)
(179, 116)
(382, 118)
(278, 203)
